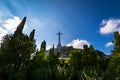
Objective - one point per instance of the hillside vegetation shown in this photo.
(21, 60)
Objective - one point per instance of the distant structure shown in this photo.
(63, 50)
(59, 43)
(66, 50)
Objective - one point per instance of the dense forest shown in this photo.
(21, 60)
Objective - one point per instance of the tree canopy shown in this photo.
(21, 60)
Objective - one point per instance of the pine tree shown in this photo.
(43, 46)
(16, 50)
(116, 43)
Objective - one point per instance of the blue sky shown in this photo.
(81, 21)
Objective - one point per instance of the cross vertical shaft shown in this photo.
(59, 33)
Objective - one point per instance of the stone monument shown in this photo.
(59, 43)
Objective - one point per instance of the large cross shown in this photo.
(59, 33)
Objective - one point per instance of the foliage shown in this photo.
(16, 52)
(116, 43)
(113, 71)
(75, 59)
(19, 60)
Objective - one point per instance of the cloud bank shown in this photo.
(110, 26)
(48, 47)
(8, 26)
(109, 44)
(78, 43)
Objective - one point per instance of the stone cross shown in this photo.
(59, 33)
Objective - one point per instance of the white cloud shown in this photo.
(8, 26)
(11, 24)
(78, 43)
(109, 44)
(110, 26)
(2, 33)
(48, 47)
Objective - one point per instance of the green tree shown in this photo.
(53, 63)
(88, 56)
(53, 58)
(75, 59)
(113, 69)
(39, 64)
(43, 47)
(15, 52)
(116, 43)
